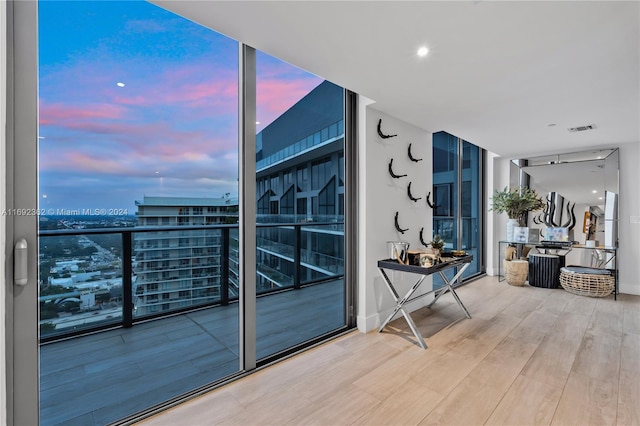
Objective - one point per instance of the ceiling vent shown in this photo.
(582, 128)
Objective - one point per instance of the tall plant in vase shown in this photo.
(516, 202)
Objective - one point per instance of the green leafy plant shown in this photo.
(437, 242)
(516, 202)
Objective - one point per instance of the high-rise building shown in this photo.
(178, 269)
(299, 180)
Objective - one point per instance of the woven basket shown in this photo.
(587, 284)
(516, 271)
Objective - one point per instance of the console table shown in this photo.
(462, 262)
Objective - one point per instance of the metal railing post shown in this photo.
(297, 270)
(127, 287)
(224, 275)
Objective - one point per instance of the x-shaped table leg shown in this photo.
(399, 306)
(449, 287)
(400, 302)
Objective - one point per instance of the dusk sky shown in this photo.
(171, 130)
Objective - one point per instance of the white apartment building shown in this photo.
(182, 268)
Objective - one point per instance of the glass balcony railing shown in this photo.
(92, 279)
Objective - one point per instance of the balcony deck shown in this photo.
(103, 377)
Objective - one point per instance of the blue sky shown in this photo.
(171, 130)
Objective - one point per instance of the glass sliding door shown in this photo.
(132, 153)
(138, 166)
(457, 189)
(300, 187)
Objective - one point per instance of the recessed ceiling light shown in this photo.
(422, 51)
(257, 122)
(599, 198)
(119, 84)
(594, 191)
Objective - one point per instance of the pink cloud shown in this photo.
(275, 96)
(58, 112)
(186, 86)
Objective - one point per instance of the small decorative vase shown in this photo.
(511, 223)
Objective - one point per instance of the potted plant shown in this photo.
(516, 202)
(437, 244)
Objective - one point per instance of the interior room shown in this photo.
(423, 112)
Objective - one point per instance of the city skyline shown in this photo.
(135, 101)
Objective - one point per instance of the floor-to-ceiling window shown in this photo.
(299, 181)
(457, 189)
(138, 128)
(139, 243)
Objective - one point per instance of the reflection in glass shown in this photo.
(300, 205)
(585, 183)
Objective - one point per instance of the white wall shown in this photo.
(380, 197)
(497, 175)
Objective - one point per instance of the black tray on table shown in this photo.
(448, 262)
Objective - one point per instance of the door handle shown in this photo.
(20, 263)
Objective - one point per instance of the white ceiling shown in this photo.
(498, 72)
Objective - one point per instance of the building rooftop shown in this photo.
(187, 201)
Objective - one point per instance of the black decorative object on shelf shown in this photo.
(422, 239)
(382, 135)
(411, 156)
(411, 197)
(400, 230)
(433, 206)
(393, 175)
(552, 210)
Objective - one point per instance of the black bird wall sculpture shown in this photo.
(433, 206)
(422, 239)
(411, 156)
(382, 135)
(411, 197)
(398, 228)
(393, 175)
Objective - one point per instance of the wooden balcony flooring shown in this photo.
(100, 378)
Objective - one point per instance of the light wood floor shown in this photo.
(529, 356)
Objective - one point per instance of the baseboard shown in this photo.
(626, 288)
(366, 324)
(372, 322)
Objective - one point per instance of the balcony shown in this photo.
(102, 362)
(102, 377)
